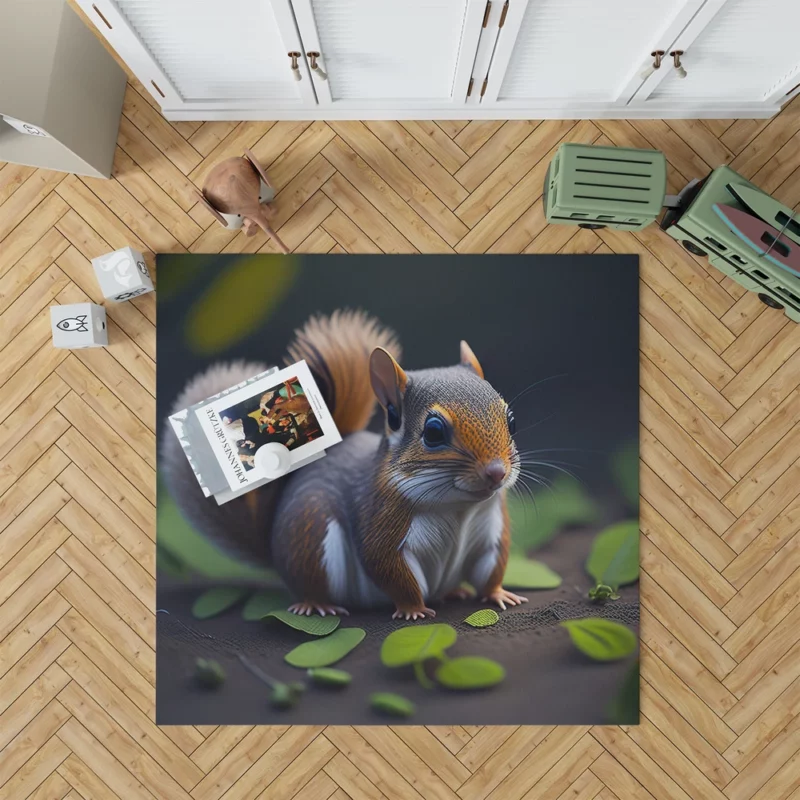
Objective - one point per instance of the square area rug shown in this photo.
(488, 409)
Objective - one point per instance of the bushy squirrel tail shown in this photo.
(240, 526)
(337, 349)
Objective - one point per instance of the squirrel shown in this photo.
(404, 517)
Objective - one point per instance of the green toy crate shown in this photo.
(597, 187)
(702, 232)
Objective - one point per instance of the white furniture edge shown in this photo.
(705, 111)
(133, 52)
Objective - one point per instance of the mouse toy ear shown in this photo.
(468, 359)
(389, 384)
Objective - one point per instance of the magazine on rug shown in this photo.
(256, 431)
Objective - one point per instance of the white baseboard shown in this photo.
(650, 111)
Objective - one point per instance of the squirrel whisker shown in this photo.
(536, 424)
(518, 487)
(555, 465)
(534, 385)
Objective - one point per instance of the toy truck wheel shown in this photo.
(592, 226)
(769, 301)
(693, 248)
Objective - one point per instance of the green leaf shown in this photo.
(326, 651)
(601, 593)
(624, 708)
(391, 704)
(483, 618)
(330, 677)
(470, 672)
(197, 552)
(601, 639)
(614, 560)
(285, 695)
(525, 573)
(416, 643)
(625, 468)
(565, 503)
(316, 626)
(209, 674)
(239, 301)
(215, 601)
(261, 603)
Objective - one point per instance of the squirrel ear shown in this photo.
(389, 384)
(468, 359)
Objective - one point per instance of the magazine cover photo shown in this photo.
(280, 414)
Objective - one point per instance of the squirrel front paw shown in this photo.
(307, 609)
(418, 612)
(502, 596)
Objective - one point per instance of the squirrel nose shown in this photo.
(495, 472)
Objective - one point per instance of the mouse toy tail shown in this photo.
(262, 220)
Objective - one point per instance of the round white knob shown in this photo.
(273, 460)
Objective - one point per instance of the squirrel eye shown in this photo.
(512, 423)
(434, 434)
(392, 417)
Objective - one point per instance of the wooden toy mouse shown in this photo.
(233, 194)
(399, 518)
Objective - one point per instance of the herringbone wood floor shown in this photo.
(720, 413)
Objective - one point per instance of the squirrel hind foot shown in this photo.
(307, 609)
(412, 614)
(502, 596)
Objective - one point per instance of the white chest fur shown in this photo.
(443, 550)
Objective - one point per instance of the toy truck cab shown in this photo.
(702, 232)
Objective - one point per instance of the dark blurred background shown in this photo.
(528, 318)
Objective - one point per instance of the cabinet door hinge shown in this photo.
(503, 15)
(469, 88)
(487, 12)
(483, 88)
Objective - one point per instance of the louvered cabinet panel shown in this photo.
(390, 51)
(213, 50)
(581, 50)
(747, 50)
(207, 51)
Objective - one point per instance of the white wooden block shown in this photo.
(78, 325)
(122, 274)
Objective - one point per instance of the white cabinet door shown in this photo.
(208, 53)
(733, 51)
(390, 54)
(555, 53)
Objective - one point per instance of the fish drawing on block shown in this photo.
(77, 324)
(761, 237)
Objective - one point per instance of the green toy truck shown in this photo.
(597, 187)
(696, 225)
